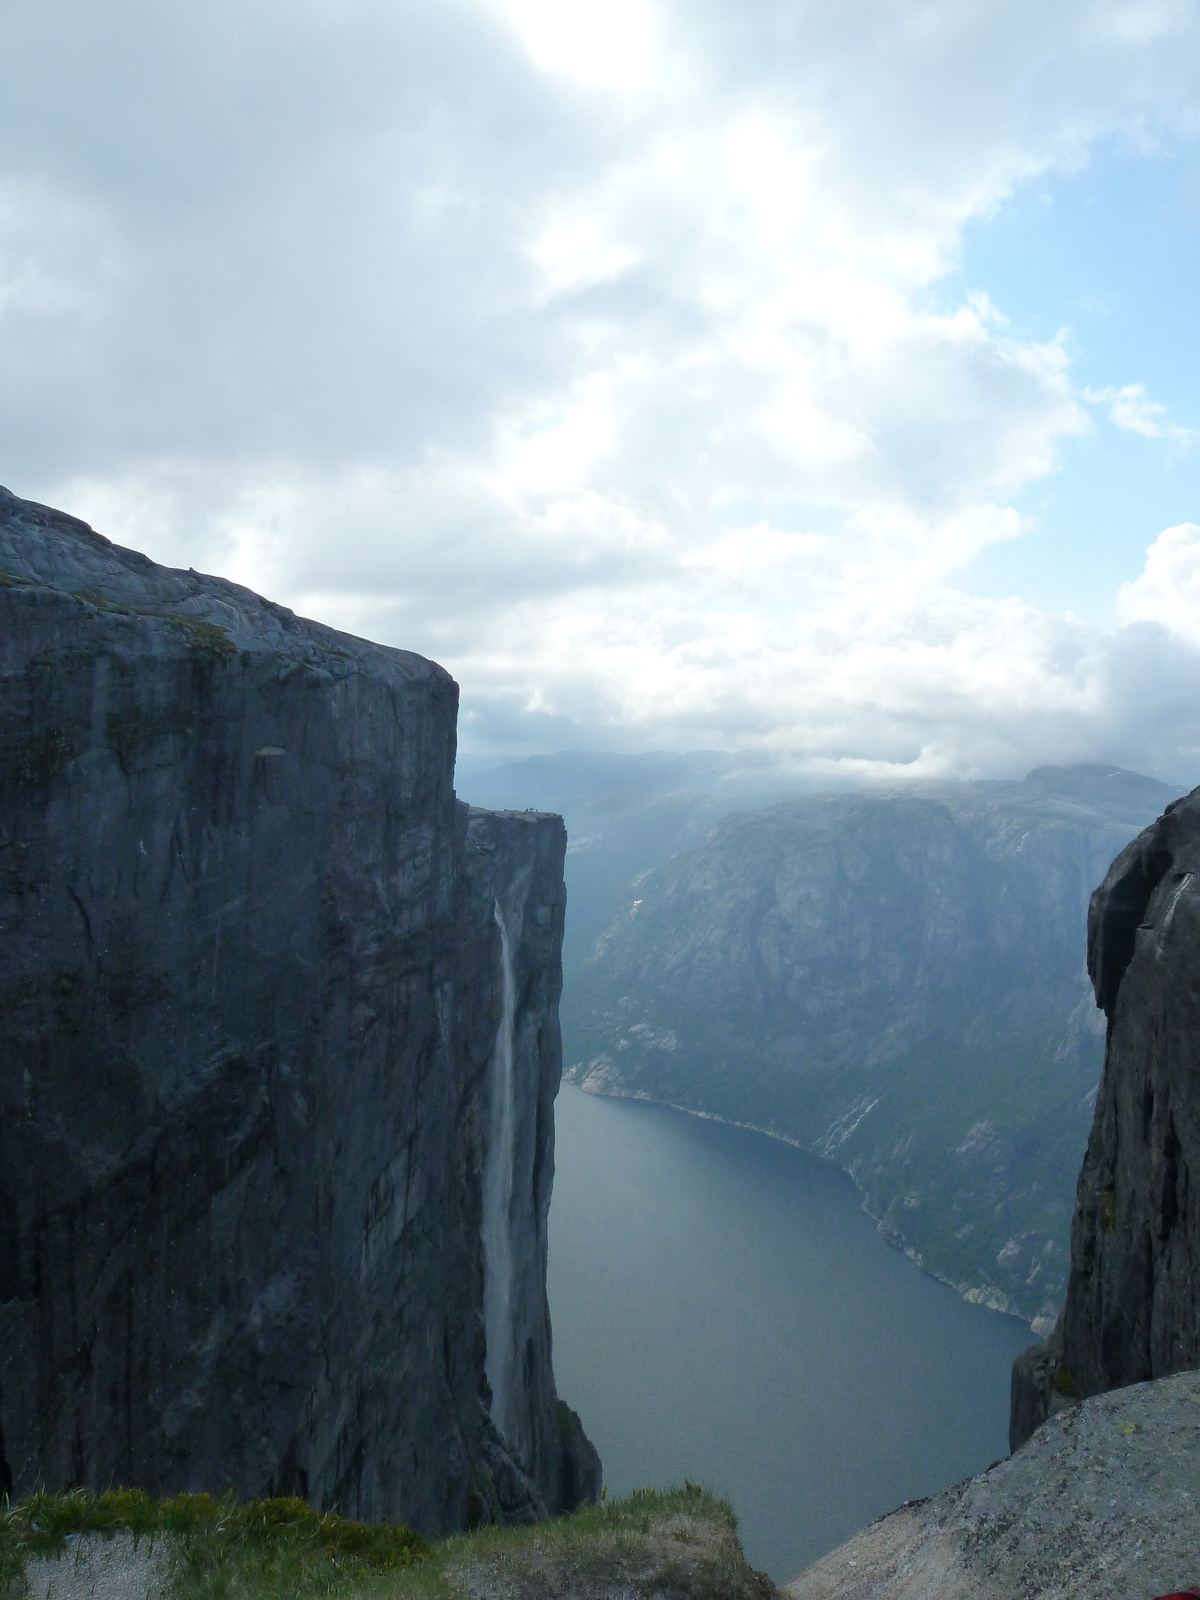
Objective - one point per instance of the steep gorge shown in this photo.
(252, 980)
(895, 980)
(1101, 1494)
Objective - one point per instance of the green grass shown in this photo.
(217, 1548)
(201, 635)
(205, 635)
(681, 1542)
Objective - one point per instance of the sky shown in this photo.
(772, 375)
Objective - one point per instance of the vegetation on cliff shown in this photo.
(682, 1542)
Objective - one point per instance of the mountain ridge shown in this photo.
(894, 979)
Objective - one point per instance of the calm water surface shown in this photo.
(724, 1310)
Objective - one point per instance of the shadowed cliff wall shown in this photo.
(249, 996)
(1132, 1309)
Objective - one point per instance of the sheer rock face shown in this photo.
(514, 868)
(1132, 1310)
(250, 988)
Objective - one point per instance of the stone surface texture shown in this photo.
(250, 988)
(1132, 1308)
(1102, 1502)
(97, 1568)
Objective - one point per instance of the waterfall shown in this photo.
(497, 1196)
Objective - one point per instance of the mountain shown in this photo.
(895, 979)
(278, 1054)
(626, 813)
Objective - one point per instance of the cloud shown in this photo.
(602, 351)
(610, 45)
(1130, 407)
(1168, 589)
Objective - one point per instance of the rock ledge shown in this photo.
(1103, 1501)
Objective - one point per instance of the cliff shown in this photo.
(1101, 1495)
(264, 984)
(1132, 1309)
(895, 980)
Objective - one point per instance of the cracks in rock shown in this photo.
(1169, 1204)
(87, 921)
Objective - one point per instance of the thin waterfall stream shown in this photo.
(497, 1196)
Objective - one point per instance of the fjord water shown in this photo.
(723, 1309)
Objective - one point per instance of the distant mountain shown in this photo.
(625, 814)
(894, 978)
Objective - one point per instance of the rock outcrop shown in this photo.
(261, 977)
(1101, 1495)
(1104, 1501)
(1132, 1309)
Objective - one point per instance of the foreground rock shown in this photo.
(261, 980)
(99, 1568)
(1103, 1502)
(1132, 1307)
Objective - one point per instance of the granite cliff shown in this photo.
(1101, 1495)
(895, 980)
(1132, 1309)
(264, 985)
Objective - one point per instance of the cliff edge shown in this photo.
(278, 1054)
(1101, 1495)
(1102, 1502)
(1132, 1309)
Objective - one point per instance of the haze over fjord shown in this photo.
(791, 377)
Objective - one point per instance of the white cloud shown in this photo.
(1168, 588)
(1130, 407)
(605, 43)
(600, 351)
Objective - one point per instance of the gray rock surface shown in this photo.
(1103, 1502)
(1132, 1307)
(95, 1567)
(894, 979)
(251, 994)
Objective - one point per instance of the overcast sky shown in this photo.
(811, 375)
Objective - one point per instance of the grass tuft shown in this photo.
(1065, 1384)
(219, 1549)
(205, 635)
(680, 1543)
